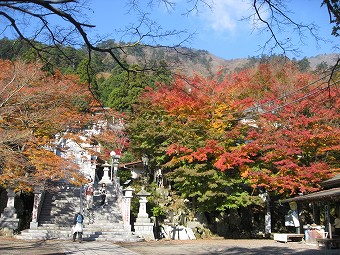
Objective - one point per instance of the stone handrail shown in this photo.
(118, 192)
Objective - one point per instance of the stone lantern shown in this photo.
(106, 178)
(9, 218)
(114, 166)
(143, 225)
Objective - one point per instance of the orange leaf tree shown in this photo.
(218, 137)
(182, 127)
(295, 140)
(34, 108)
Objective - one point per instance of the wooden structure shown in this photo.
(326, 200)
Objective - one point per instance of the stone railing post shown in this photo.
(39, 195)
(126, 207)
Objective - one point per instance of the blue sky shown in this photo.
(219, 30)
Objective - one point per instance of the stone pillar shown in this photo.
(93, 173)
(38, 196)
(143, 225)
(106, 178)
(8, 218)
(126, 207)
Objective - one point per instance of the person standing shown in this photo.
(337, 225)
(102, 191)
(78, 227)
(89, 196)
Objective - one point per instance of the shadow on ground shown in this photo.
(14, 247)
(225, 247)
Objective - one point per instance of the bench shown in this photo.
(285, 237)
(328, 243)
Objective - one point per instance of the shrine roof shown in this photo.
(316, 196)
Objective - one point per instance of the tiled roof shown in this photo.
(335, 181)
(319, 195)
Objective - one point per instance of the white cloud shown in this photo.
(226, 14)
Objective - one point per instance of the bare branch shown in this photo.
(277, 21)
(146, 33)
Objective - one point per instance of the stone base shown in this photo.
(9, 223)
(33, 225)
(9, 213)
(127, 227)
(6, 232)
(140, 220)
(145, 230)
(106, 180)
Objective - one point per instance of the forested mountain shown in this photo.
(182, 59)
(115, 88)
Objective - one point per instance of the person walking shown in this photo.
(337, 225)
(78, 227)
(102, 192)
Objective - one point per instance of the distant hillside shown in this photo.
(215, 63)
(191, 61)
(329, 59)
(184, 60)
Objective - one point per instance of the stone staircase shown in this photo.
(58, 210)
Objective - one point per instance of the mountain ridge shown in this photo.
(182, 59)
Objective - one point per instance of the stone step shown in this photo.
(57, 213)
(57, 223)
(67, 230)
(50, 226)
(95, 226)
(41, 234)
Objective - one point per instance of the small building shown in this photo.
(136, 168)
(323, 204)
(139, 170)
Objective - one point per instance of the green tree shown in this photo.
(122, 89)
(322, 67)
(86, 72)
(303, 65)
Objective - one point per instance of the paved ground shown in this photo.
(225, 246)
(10, 246)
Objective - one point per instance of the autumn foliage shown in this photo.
(34, 107)
(226, 138)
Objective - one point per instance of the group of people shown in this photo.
(77, 229)
(89, 191)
